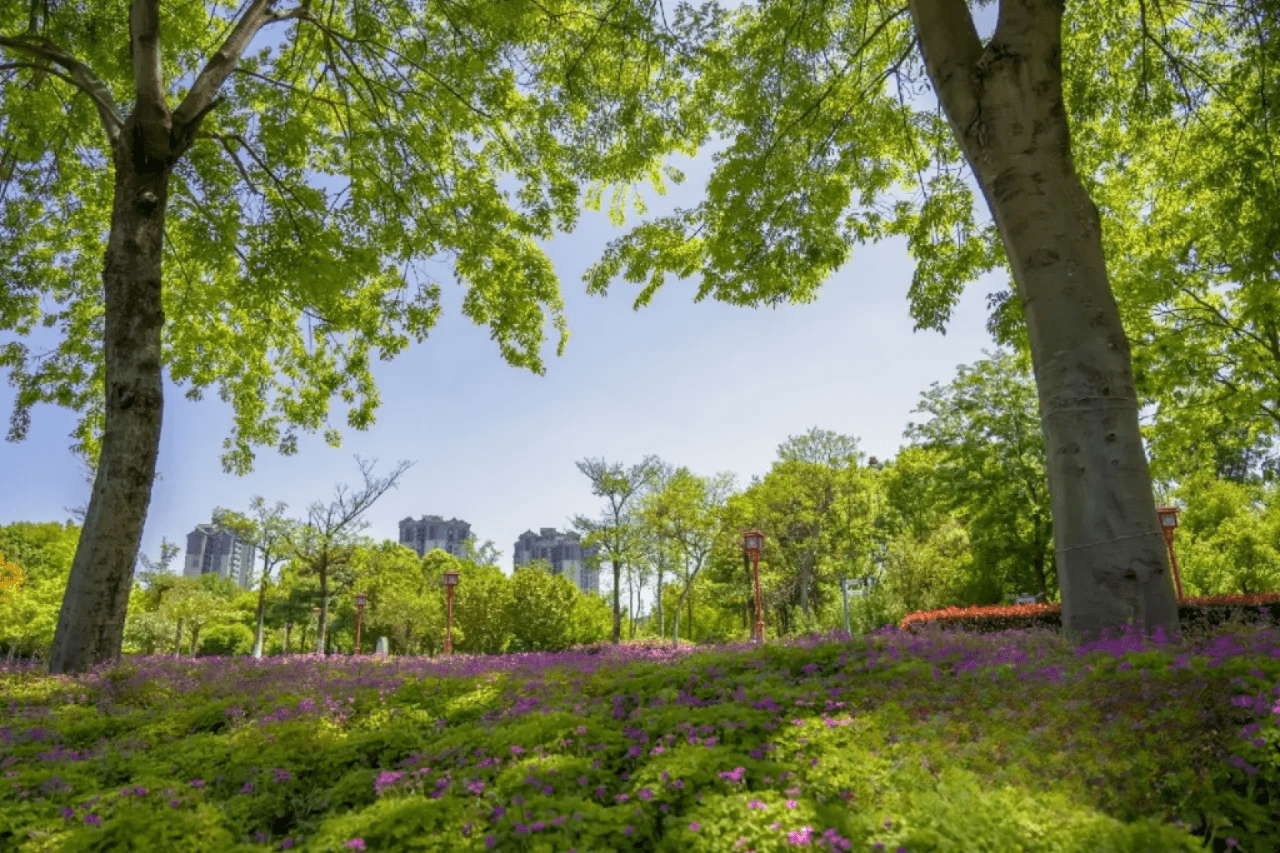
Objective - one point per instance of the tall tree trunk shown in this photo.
(324, 603)
(1005, 105)
(91, 622)
(262, 609)
(806, 571)
(177, 640)
(195, 639)
(662, 627)
(631, 605)
(689, 605)
(617, 601)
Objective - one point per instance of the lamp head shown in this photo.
(1168, 516)
(361, 599)
(450, 578)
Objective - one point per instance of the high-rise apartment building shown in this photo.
(565, 553)
(214, 550)
(432, 531)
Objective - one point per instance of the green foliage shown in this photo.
(989, 470)
(44, 552)
(592, 619)
(1228, 537)
(821, 510)
(226, 640)
(406, 602)
(347, 148)
(1182, 168)
(481, 605)
(541, 609)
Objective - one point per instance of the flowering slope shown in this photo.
(932, 742)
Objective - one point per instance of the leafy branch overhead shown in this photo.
(324, 160)
(828, 145)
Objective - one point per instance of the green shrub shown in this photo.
(226, 640)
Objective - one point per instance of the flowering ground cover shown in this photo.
(894, 742)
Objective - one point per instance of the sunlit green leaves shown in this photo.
(352, 145)
(825, 145)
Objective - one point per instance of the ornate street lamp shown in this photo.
(450, 581)
(753, 541)
(361, 601)
(1168, 523)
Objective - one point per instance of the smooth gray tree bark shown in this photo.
(1004, 102)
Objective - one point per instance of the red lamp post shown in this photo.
(1169, 522)
(361, 601)
(753, 541)
(450, 581)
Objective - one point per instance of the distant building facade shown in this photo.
(565, 553)
(214, 550)
(432, 531)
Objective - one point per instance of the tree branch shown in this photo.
(81, 74)
(204, 91)
(951, 48)
(151, 113)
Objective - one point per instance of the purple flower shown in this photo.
(287, 844)
(801, 836)
(517, 750)
(757, 804)
(694, 827)
(92, 819)
(197, 783)
(282, 775)
(355, 844)
(734, 775)
(246, 788)
(791, 804)
(628, 830)
(489, 841)
(645, 794)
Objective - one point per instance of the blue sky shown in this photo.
(710, 386)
